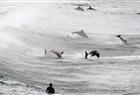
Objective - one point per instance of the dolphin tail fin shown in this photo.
(98, 55)
(45, 51)
(86, 54)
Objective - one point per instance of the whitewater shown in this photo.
(27, 28)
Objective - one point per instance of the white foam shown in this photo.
(131, 57)
(74, 36)
(36, 52)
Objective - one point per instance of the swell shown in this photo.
(46, 29)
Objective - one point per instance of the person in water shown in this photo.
(50, 89)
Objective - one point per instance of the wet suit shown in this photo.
(50, 90)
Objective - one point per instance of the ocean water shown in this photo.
(27, 28)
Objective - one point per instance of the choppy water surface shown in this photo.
(28, 28)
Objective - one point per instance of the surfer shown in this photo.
(50, 89)
(122, 39)
(92, 53)
(59, 54)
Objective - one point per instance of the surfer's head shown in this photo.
(50, 84)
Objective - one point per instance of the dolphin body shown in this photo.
(58, 54)
(92, 53)
(79, 8)
(122, 39)
(81, 33)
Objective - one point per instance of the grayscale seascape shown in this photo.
(27, 28)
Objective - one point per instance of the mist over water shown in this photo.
(27, 28)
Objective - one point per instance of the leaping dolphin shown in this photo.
(79, 8)
(90, 8)
(92, 53)
(59, 54)
(122, 39)
(81, 33)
